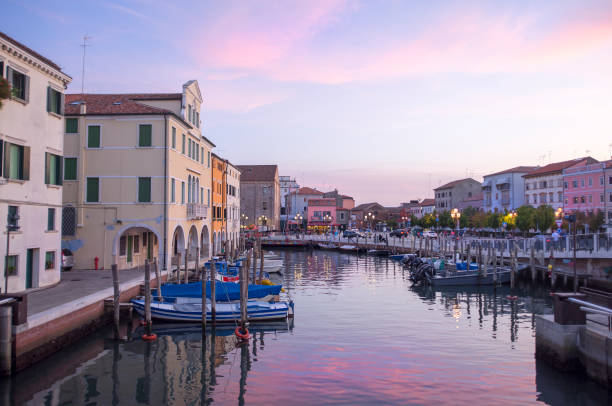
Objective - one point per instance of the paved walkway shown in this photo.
(75, 285)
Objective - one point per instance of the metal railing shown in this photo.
(197, 211)
(592, 308)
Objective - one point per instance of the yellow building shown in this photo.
(219, 207)
(137, 178)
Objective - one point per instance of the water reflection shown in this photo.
(364, 337)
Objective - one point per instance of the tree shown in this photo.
(467, 217)
(595, 220)
(414, 221)
(544, 217)
(392, 224)
(493, 220)
(479, 220)
(446, 220)
(525, 218)
(5, 90)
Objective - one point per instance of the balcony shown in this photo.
(196, 211)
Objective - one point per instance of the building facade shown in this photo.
(504, 191)
(584, 188)
(544, 185)
(322, 213)
(233, 203)
(218, 204)
(287, 186)
(297, 203)
(428, 206)
(260, 195)
(448, 196)
(137, 178)
(31, 151)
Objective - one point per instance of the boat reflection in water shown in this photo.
(174, 369)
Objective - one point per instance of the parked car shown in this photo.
(430, 234)
(350, 234)
(67, 259)
(398, 233)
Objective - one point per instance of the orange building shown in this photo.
(218, 202)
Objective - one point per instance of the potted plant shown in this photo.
(5, 90)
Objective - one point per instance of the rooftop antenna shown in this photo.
(84, 45)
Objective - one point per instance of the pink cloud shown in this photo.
(280, 45)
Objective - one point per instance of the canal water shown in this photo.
(361, 336)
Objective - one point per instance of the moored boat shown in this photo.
(224, 291)
(224, 312)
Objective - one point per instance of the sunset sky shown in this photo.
(383, 100)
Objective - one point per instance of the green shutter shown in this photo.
(173, 137)
(49, 98)
(72, 125)
(144, 136)
(93, 185)
(183, 147)
(52, 169)
(15, 158)
(70, 168)
(93, 136)
(144, 190)
(50, 219)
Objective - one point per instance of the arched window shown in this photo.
(189, 189)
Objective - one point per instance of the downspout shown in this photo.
(166, 155)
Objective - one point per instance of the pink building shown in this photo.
(583, 187)
(318, 209)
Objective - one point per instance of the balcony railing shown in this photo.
(196, 211)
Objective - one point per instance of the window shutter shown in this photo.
(1, 69)
(59, 169)
(26, 163)
(72, 125)
(144, 190)
(62, 102)
(26, 92)
(47, 168)
(144, 137)
(93, 136)
(49, 95)
(93, 189)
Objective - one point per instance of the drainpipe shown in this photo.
(166, 155)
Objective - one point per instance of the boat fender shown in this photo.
(152, 337)
(240, 335)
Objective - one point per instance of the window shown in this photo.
(72, 125)
(70, 169)
(582, 199)
(145, 135)
(13, 217)
(601, 198)
(16, 161)
(609, 180)
(264, 206)
(197, 153)
(209, 165)
(144, 239)
(55, 101)
(565, 185)
(590, 181)
(202, 155)
(575, 199)
(11, 264)
(50, 219)
(574, 183)
(582, 182)
(122, 246)
(208, 197)
(49, 260)
(173, 138)
(590, 198)
(183, 146)
(20, 84)
(610, 198)
(93, 190)
(53, 169)
(559, 197)
(182, 192)
(201, 195)
(172, 190)
(189, 148)
(93, 136)
(68, 221)
(189, 113)
(144, 190)
(601, 180)
(136, 244)
(551, 197)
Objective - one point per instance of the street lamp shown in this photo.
(262, 220)
(456, 215)
(327, 218)
(369, 218)
(298, 219)
(404, 220)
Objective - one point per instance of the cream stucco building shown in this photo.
(31, 149)
(233, 203)
(137, 178)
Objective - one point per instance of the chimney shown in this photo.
(83, 108)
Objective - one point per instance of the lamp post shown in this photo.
(404, 220)
(11, 225)
(298, 219)
(456, 215)
(369, 218)
(327, 218)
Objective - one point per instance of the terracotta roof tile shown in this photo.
(113, 104)
(308, 191)
(30, 51)
(258, 173)
(516, 169)
(427, 202)
(558, 167)
(453, 183)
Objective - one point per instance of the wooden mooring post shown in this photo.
(158, 278)
(177, 276)
(261, 265)
(513, 267)
(254, 256)
(213, 292)
(244, 293)
(204, 302)
(147, 281)
(532, 267)
(186, 280)
(116, 294)
(480, 260)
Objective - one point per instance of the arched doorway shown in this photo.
(135, 243)
(192, 241)
(204, 243)
(178, 244)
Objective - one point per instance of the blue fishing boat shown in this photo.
(397, 257)
(191, 311)
(224, 291)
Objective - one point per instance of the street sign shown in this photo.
(559, 222)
